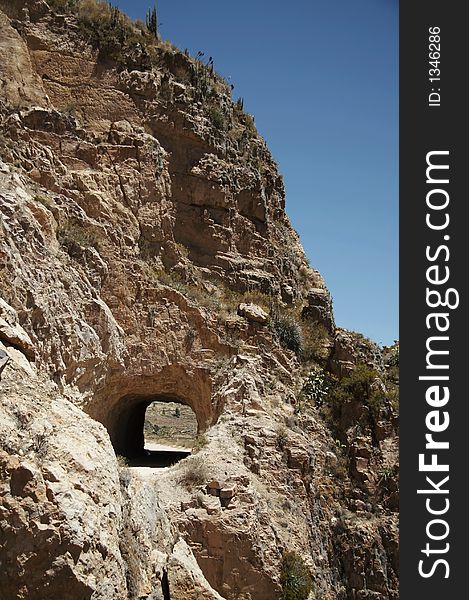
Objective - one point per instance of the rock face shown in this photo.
(145, 255)
(60, 500)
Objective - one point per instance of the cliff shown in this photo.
(145, 254)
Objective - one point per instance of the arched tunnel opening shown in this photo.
(153, 431)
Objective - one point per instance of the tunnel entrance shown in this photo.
(154, 431)
(170, 432)
(170, 424)
(121, 405)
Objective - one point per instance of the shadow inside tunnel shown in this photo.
(158, 458)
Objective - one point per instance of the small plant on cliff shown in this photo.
(387, 473)
(122, 461)
(316, 345)
(288, 332)
(71, 234)
(195, 291)
(358, 387)
(250, 126)
(316, 387)
(217, 118)
(282, 438)
(40, 444)
(391, 357)
(295, 577)
(44, 200)
(62, 4)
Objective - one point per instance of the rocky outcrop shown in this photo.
(144, 253)
(351, 349)
(12, 333)
(60, 501)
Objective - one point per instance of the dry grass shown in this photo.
(193, 472)
(71, 233)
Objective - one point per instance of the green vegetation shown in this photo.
(391, 364)
(307, 338)
(217, 118)
(200, 442)
(392, 357)
(248, 122)
(288, 332)
(122, 461)
(44, 200)
(72, 233)
(106, 28)
(194, 291)
(137, 44)
(355, 386)
(388, 479)
(40, 444)
(316, 387)
(295, 577)
(62, 4)
(211, 293)
(152, 21)
(393, 393)
(358, 387)
(316, 345)
(386, 473)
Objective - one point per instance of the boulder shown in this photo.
(253, 312)
(12, 333)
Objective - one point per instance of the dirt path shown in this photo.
(154, 447)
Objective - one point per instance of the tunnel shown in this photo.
(121, 404)
(128, 434)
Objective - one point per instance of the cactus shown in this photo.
(152, 21)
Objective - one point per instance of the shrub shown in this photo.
(316, 387)
(288, 332)
(70, 234)
(281, 439)
(194, 472)
(386, 473)
(315, 346)
(231, 299)
(391, 363)
(122, 461)
(44, 200)
(391, 358)
(62, 4)
(392, 394)
(295, 577)
(249, 124)
(358, 387)
(217, 118)
(41, 444)
(194, 291)
(104, 26)
(200, 442)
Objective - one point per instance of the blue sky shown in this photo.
(321, 79)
